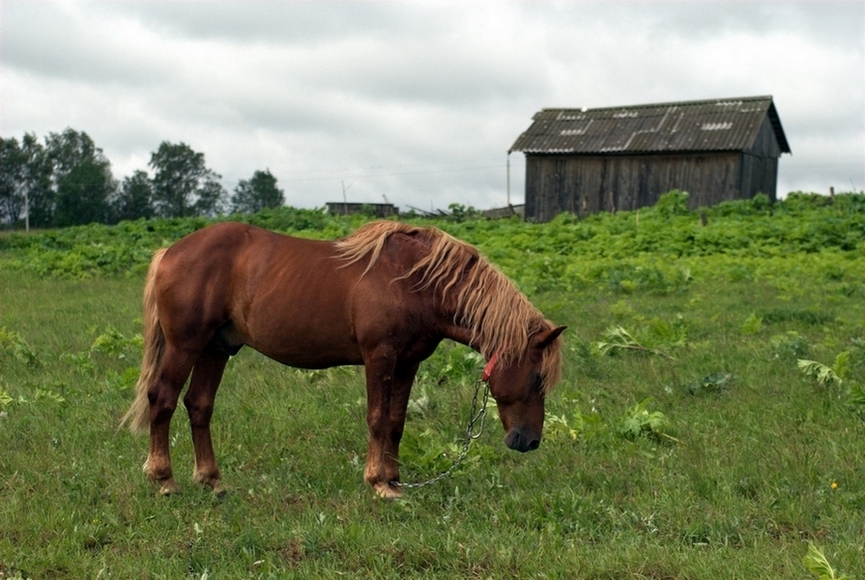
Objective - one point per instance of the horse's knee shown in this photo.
(396, 432)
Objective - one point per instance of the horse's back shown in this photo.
(287, 297)
(230, 250)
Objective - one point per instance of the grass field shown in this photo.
(690, 446)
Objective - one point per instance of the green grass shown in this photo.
(753, 461)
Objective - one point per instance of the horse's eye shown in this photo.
(538, 382)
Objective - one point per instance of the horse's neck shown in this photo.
(500, 315)
(461, 335)
(457, 330)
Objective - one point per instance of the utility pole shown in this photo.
(344, 199)
(509, 179)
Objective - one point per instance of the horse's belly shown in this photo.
(304, 358)
(305, 348)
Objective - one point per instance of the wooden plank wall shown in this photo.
(590, 184)
(760, 164)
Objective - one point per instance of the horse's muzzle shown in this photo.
(521, 441)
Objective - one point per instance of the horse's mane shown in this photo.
(500, 318)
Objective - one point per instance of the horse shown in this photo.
(383, 297)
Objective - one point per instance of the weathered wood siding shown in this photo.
(760, 164)
(590, 184)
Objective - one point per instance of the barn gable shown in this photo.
(589, 160)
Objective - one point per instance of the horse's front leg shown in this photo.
(388, 387)
(403, 380)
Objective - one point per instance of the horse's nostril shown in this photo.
(512, 440)
(520, 442)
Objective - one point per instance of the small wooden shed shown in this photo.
(590, 160)
(348, 208)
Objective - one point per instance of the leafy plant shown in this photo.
(462, 213)
(789, 345)
(15, 343)
(47, 395)
(856, 396)
(818, 565)
(836, 375)
(842, 364)
(573, 425)
(124, 380)
(752, 325)
(805, 316)
(462, 365)
(5, 399)
(618, 339)
(82, 362)
(631, 278)
(639, 421)
(429, 453)
(658, 333)
(683, 278)
(673, 203)
(825, 375)
(113, 343)
(559, 425)
(419, 404)
(37, 395)
(714, 383)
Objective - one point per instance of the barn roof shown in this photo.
(713, 125)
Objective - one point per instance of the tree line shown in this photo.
(66, 180)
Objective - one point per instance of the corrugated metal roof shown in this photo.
(714, 125)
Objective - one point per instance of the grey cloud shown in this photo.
(416, 101)
(268, 22)
(45, 39)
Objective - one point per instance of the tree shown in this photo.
(135, 198)
(12, 166)
(82, 194)
(253, 195)
(37, 181)
(182, 184)
(82, 178)
(68, 149)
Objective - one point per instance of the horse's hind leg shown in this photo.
(163, 394)
(199, 404)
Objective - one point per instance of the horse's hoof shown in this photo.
(218, 490)
(214, 483)
(168, 487)
(387, 491)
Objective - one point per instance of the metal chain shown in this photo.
(475, 416)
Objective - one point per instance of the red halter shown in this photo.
(488, 370)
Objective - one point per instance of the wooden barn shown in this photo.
(590, 160)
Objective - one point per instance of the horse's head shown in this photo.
(519, 388)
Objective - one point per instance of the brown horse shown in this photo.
(383, 297)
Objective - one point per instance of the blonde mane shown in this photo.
(498, 316)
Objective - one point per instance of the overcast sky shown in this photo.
(418, 102)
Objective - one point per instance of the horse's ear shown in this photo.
(546, 338)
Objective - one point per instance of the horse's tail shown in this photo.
(138, 414)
